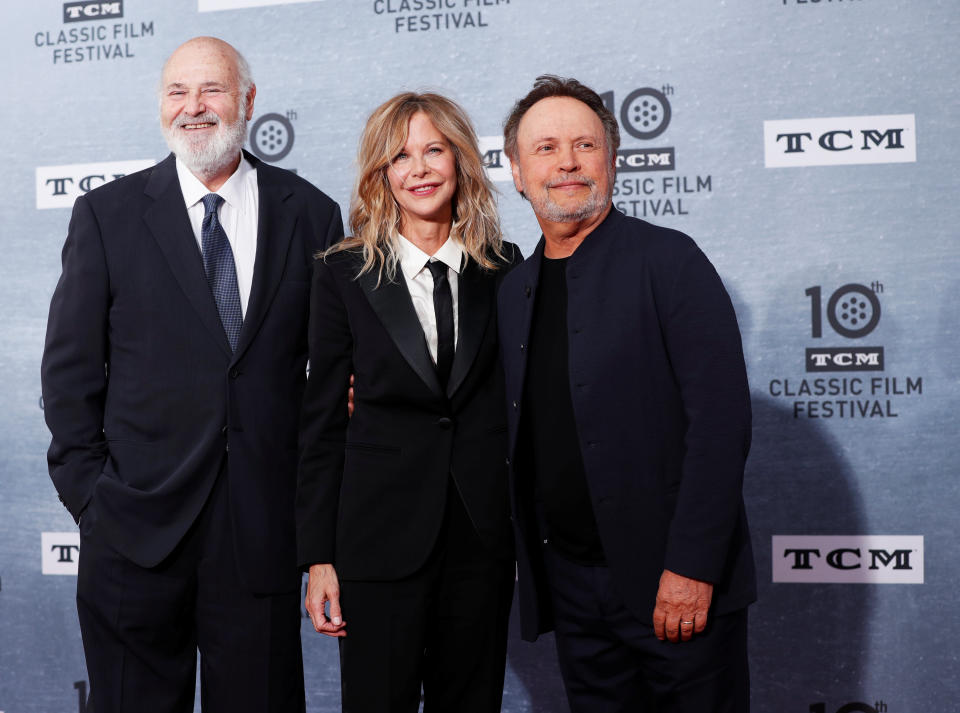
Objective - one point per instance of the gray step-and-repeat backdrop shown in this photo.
(809, 146)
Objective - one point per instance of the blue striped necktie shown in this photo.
(221, 270)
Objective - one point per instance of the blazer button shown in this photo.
(516, 405)
(445, 423)
(234, 373)
(224, 430)
(522, 347)
(526, 291)
(508, 461)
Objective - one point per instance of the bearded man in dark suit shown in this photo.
(172, 377)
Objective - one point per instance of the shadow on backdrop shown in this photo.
(808, 642)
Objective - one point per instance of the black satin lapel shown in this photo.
(474, 297)
(168, 222)
(391, 301)
(275, 227)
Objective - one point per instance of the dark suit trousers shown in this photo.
(142, 627)
(444, 627)
(613, 663)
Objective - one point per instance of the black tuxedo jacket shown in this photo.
(372, 488)
(662, 408)
(142, 395)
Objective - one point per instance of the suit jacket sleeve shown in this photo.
(323, 420)
(334, 229)
(73, 368)
(703, 343)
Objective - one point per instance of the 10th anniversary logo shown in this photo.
(856, 390)
(644, 115)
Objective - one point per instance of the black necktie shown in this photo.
(443, 309)
(221, 271)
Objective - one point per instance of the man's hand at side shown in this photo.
(323, 587)
(682, 606)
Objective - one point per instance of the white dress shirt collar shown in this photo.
(194, 190)
(413, 259)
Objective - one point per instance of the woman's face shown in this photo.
(423, 176)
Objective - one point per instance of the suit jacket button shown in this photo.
(445, 423)
(508, 461)
(224, 430)
(522, 347)
(234, 373)
(516, 405)
(526, 291)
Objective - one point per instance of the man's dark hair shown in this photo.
(549, 85)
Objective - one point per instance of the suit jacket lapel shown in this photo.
(474, 295)
(275, 227)
(393, 306)
(168, 222)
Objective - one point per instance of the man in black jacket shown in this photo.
(629, 425)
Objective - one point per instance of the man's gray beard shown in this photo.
(594, 204)
(207, 157)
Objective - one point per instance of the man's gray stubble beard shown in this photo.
(544, 207)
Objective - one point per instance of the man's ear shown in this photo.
(251, 95)
(517, 180)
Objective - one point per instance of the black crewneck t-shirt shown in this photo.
(560, 482)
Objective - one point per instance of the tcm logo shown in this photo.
(59, 552)
(848, 559)
(644, 114)
(842, 359)
(494, 159)
(629, 160)
(59, 186)
(85, 11)
(844, 140)
(852, 311)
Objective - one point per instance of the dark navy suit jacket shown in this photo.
(662, 410)
(142, 395)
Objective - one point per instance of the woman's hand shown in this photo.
(322, 587)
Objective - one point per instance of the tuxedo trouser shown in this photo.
(611, 662)
(444, 627)
(142, 627)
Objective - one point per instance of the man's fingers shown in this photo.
(673, 629)
(659, 623)
(314, 606)
(336, 617)
(687, 625)
(700, 622)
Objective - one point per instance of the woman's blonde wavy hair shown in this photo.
(374, 213)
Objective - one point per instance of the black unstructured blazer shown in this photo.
(142, 395)
(372, 488)
(662, 410)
